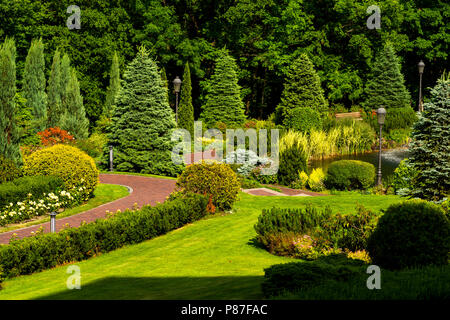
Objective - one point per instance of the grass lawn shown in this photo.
(104, 193)
(214, 258)
(138, 174)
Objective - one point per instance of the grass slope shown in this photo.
(214, 258)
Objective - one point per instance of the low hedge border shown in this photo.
(45, 251)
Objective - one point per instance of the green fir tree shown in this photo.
(186, 109)
(142, 122)
(54, 108)
(223, 101)
(165, 82)
(429, 150)
(114, 86)
(302, 88)
(66, 74)
(9, 133)
(386, 88)
(34, 84)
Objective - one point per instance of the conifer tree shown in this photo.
(165, 82)
(223, 100)
(302, 89)
(74, 118)
(114, 86)
(9, 134)
(54, 109)
(186, 109)
(142, 122)
(429, 151)
(65, 79)
(386, 87)
(34, 84)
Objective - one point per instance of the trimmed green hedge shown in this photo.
(48, 250)
(350, 174)
(18, 189)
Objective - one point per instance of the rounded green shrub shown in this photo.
(8, 170)
(215, 180)
(350, 174)
(303, 119)
(410, 234)
(73, 166)
(403, 177)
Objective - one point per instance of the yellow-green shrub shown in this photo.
(315, 181)
(72, 165)
(215, 180)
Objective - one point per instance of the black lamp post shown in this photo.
(176, 89)
(381, 114)
(421, 66)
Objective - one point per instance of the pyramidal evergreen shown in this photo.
(302, 88)
(223, 100)
(186, 109)
(114, 86)
(34, 84)
(429, 150)
(9, 133)
(74, 118)
(386, 87)
(54, 107)
(66, 75)
(142, 122)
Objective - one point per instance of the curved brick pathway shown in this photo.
(144, 190)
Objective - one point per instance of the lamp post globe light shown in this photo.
(176, 89)
(420, 66)
(381, 116)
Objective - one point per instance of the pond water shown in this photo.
(389, 160)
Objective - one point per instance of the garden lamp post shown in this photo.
(53, 222)
(176, 89)
(111, 158)
(421, 66)
(381, 114)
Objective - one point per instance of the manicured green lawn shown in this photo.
(104, 193)
(214, 258)
(138, 174)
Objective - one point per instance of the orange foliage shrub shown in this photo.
(52, 136)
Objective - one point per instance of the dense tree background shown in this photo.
(264, 36)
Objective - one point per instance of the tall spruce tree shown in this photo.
(9, 133)
(223, 101)
(66, 75)
(54, 109)
(302, 89)
(386, 88)
(114, 86)
(34, 84)
(429, 150)
(186, 109)
(142, 122)
(74, 118)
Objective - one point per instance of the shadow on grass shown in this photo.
(161, 288)
(255, 243)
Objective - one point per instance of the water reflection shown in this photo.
(389, 160)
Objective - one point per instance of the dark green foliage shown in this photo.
(113, 88)
(396, 118)
(350, 175)
(142, 122)
(34, 84)
(74, 118)
(223, 99)
(66, 75)
(303, 119)
(55, 108)
(410, 234)
(9, 133)
(293, 160)
(18, 189)
(8, 170)
(301, 89)
(294, 276)
(185, 108)
(46, 251)
(165, 83)
(25, 122)
(430, 146)
(386, 87)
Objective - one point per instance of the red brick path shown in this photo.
(145, 190)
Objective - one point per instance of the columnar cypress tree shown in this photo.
(302, 88)
(74, 119)
(223, 100)
(114, 86)
(386, 87)
(9, 135)
(430, 146)
(34, 84)
(186, 110)
(165, 82)
(65, 79)
(142, 121)
(54, 110)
